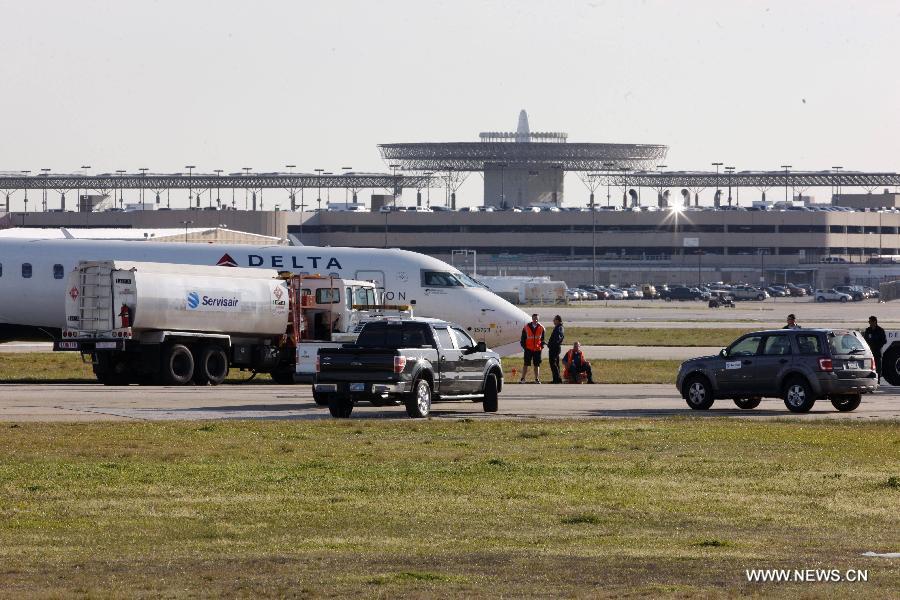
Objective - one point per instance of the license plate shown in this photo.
(106, 345)
(357, 387)
(852, 365)
(68, 345)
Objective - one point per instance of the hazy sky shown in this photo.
(163, 84)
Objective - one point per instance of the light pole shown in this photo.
(787, 169)
(428, 174)
(837, 180)
(186, 225)
(346, 172)
(659, 197)
(319, 186)
(608, 166)
(143, 171)
(502, 194)
(190, 169)
(716, 194)
(246, 171)
(44, 202)
(121, 172)
(218, 173)
(327, 191)
(25, 188)
(625, 187)
(762, 266)
(730, 171)
(84, 169)
(293, 196)
(396, 183)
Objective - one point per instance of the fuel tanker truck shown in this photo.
(169, 324)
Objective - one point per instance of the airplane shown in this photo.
(33, 277)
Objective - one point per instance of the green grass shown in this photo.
(605, 371)
(618, 336)
(676, 507)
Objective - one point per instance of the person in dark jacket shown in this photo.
(554, 347)
(876, 338)
(791, 322)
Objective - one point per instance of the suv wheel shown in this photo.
(760, 297)
(698, 393)
(798, 396)
(490, 393)
(748, 403)
(843, 298)
(418, 405)
(846, 403)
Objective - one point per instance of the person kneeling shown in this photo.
(576, 364)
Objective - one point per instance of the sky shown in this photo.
(226, 84)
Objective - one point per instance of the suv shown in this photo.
(798, 365)
(680, 293)
(748, 292)
(856, 293)
(832, 295)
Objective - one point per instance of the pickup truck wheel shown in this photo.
(890, 366)
(212, 366)
(490, 393)
(177, 365)
(798, 396)
(846, 403)
(698, 393)
(340, 407)
(418, 405)
(747, 403)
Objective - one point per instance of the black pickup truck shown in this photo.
(410, 362)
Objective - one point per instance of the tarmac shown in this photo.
(93, 402)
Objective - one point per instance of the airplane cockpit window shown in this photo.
(441, 279)
(470, 281)
(58, 272)
(26, 270)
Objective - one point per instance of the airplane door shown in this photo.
(376, 276)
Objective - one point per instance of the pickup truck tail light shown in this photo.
(399, 364)
(318, 364)
(825, 364)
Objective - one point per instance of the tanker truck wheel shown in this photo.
(212, 366)
(890, 366)
(283, 376)
(177, 366)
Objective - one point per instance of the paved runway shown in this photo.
(91, 402)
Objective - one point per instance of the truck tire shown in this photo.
(320, 399)
(890, 366)
(110, 371)
(698, 393)
(340, 407)
(747, 403)
(798, 396)
(846, 403)
(490, 393)
(212, 366)
(418, 404)
(283, 376)
(177, 366)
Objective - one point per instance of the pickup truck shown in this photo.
(409, 362)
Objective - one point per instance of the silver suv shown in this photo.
(798, 365)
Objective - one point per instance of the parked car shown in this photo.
(748, 292)
(795, 290)
(776, 291)
(681, 293)
(856, 293)
(832, 295)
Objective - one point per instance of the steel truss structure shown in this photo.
(475, 156)
(61, 183)
(754, 179)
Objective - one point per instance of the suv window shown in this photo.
(809, 344)
(395, 335)
(845, 343)
(777, 345)
(444, 339)
(748, 346)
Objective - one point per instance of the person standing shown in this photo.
(876, 338)
(532, 342)
(554, 347)
(576, 364)
(791, 322)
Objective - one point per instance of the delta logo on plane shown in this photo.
(226, 261)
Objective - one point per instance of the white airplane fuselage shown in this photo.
(38, 300)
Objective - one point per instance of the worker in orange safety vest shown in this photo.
(576, 364)
(532, 342)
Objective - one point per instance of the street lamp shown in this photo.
(292, 195)
(186, 224)
(25, 187)
(786, 171)
(624, 186)
(84, 174)
(190, 169)
(730, 171)
(716, 194)
(246, 171)
(327, 190)
(762, 266)
(608, 166)
(346, 171)
(121, 187)
(143, 171)
(396, 183)
(659, 198)
(218, 173)
(319, 184)
(503, 195)
(428, 174)
(837, 180)
(44, 202)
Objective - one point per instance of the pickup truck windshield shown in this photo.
(395, 335)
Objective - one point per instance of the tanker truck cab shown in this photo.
(158, 323)
(332, 311)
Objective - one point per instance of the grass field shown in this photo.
(679, 507)
(617, 336)
(65, 367)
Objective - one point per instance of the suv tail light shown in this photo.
(399, 364)
(318, 364)
(825, 364)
